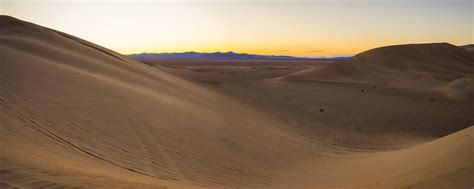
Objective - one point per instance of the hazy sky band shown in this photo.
(301, 28)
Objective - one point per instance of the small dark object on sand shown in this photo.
(431, 100)
(362, 90)
(321, 110)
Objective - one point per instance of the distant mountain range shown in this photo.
(218, 55)
(149, 57)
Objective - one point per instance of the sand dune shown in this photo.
(416, 66)
(74, 114)
(469, 47)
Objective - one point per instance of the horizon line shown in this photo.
(235, 52)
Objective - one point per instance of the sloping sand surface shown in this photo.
(76, 115)
(415, 66)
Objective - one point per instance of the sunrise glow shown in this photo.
(299, 28)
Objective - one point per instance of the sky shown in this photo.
(277, 27)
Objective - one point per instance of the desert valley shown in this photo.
(74, 114)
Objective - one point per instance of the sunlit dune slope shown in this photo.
(76, 115)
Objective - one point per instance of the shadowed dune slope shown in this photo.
(68, 103)
(76, 115)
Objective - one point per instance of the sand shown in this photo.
(74, 114)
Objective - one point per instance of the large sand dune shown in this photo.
(416, 66)
(74, 114)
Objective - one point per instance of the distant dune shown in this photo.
(469, 47)
(77, 115)
(419, 66)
